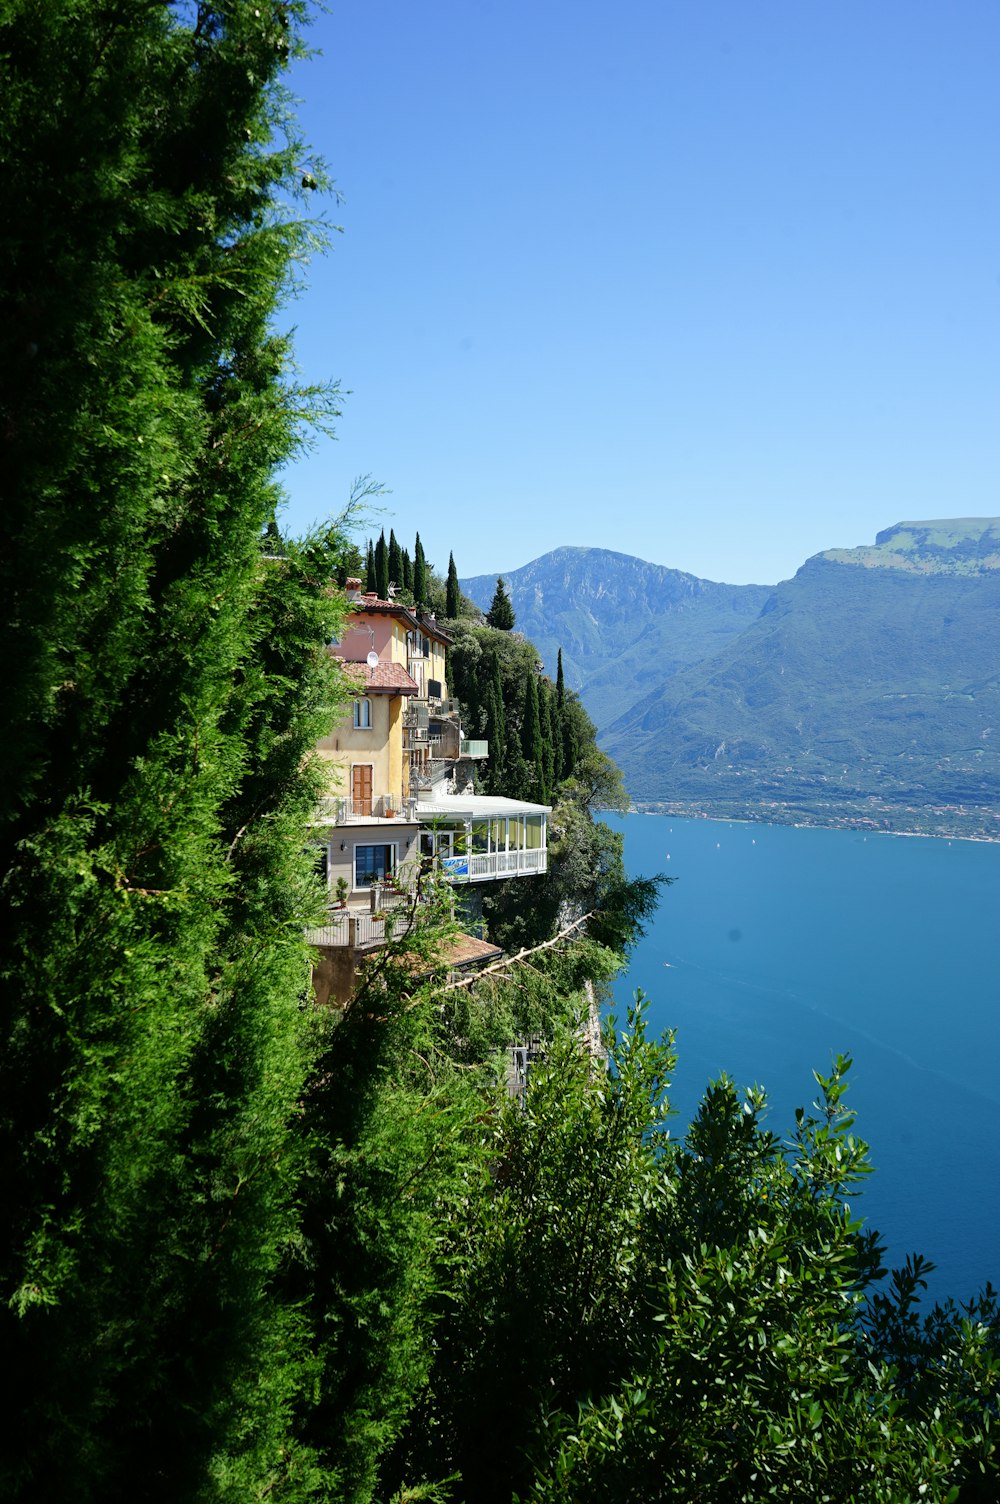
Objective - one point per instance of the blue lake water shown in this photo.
(777, 947)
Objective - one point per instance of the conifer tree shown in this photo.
(531, 737)
(163, 684)
(559, 771)
(454, 595)
(546, 708)
(406, 569)
(381, 560)
(419, 574)
(371, 573)
(501, 612)
(395, 561)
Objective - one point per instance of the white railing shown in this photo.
(344, 810)
(481, 866)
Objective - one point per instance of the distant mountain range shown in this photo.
(624, 626)
(866, 690)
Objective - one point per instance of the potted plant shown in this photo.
(341, 892)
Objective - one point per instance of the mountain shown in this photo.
(623, 625)
(868, 689)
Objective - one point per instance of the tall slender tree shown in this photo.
(381, 560)
(531, 737)
(453, 597)
(395, 561)
(419, 573)
(371, 572)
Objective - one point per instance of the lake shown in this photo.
(779, 947)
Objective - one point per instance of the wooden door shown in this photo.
(361, 788)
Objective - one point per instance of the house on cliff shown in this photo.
(402, 797)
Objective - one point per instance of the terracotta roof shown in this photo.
(384, 679)
(418, 619)
(466, 950)
(456, 954)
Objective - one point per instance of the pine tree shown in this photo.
(395, 562)
(419, 574)
(381, 561)
(501, 612)
(163, 684)
(454, 594)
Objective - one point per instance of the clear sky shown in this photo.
(712, 282)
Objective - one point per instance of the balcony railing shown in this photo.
(479, 867)
(343, 810)
(469, 748)
(360, 930)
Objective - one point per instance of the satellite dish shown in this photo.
(372, 659)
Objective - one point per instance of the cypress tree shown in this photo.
(395, 561)
(419, 574)
(454, 594)
(162, 686)
(531, 735)
(371, 573)
(381, 561)
(496, 730)
(406, 570)
(501, 612)
(546, 708)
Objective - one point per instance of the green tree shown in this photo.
(501, 612)
(454, 594)
(419, 573)
(163, 685)
(395, 561)
(406, 570)
(371, 570)
(532, 747)
(381, 561)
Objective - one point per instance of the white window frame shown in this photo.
(391, 846)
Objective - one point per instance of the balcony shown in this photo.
(388, 913)
(343, 810)
(468, 748)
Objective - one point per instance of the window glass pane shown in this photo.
(363, 714)
(372, 864)
(480, 835)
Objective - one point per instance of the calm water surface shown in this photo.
(777, 948)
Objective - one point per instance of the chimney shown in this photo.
(353, 588)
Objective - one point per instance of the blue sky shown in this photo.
(715, 283)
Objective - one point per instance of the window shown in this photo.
(373, 864)
(362, 715)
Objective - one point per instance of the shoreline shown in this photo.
(866, 824)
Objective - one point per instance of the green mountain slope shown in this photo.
(868, 688)
(623, 625)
